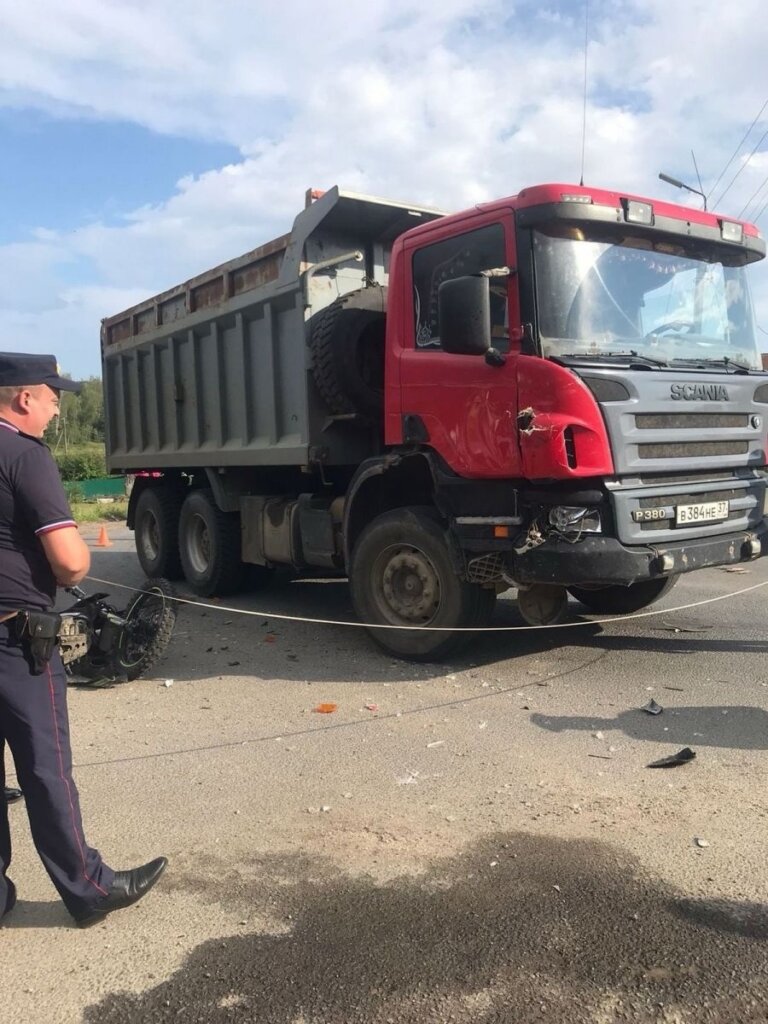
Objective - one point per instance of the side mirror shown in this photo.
(464, 313)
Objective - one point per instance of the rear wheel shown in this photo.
(156, 532)
(149, 622)
(402, 575)
(209, 543)
(624, 600)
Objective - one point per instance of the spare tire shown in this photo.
(347, 345)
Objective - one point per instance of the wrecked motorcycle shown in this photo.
(100, 644)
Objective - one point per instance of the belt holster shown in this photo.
(37, 632)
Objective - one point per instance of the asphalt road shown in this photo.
(479, 842)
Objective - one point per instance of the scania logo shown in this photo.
(699, 392)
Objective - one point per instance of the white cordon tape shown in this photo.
(439, 629)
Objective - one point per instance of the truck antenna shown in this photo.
(696, 168)
(584, 108)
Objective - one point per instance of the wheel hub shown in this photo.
(199, 548)
(150, 536)
(410, 586)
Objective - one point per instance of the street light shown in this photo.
(680, 184)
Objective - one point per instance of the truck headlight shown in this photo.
(574, 519)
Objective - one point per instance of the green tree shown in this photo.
(81, 420)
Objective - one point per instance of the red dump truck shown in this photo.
(559, 392)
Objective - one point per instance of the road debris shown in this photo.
(674, 628)
(325, 708)
(733, 568)
(435, 743)
(652, 708)
(681, 757)
(371, 707)
(702, 843)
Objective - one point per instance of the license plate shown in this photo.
(704, 512)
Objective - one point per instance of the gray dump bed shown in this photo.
(216, 371)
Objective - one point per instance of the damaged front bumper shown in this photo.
(606, 561)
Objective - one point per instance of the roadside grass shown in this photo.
(99, 511)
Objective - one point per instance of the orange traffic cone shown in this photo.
(103, 541)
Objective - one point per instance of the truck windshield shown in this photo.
(600, 296)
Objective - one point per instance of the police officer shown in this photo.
(40, 548)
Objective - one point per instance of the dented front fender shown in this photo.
(561, 431)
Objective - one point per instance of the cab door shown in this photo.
(463, 408)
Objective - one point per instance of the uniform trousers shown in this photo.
(35, 724)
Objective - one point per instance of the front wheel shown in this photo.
(149, 621)
(402, 575)
(624, 600)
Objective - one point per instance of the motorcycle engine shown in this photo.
(74, 639)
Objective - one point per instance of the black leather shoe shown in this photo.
(127, 888)
(12, 794)
(10, 898)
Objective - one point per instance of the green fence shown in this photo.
(99, 487)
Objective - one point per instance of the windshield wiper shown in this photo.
(632, 357)
(731, 366)
(647, 360)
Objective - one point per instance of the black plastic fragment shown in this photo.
(652, 707)
(681, 757)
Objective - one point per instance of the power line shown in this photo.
(757, 191)
(763, 208)
(745, 164)
(733, 157)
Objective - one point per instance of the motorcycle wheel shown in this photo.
(149, 622)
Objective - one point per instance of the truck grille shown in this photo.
(689, 420)
(688, 498)
(655, 431)
(691, 449)
(650, 479)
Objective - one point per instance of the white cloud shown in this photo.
(446, 105)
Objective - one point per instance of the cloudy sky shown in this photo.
(142, 141)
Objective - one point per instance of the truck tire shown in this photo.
(624, 600)
(209, 543)
(402, 574)
(156, 532)
(347, 346)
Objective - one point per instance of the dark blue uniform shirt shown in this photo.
(32, 502)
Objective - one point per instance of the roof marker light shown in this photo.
(636, 212)
(731, 231)
(567, 197)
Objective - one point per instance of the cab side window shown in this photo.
(460, 256)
